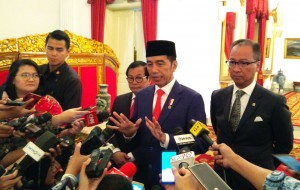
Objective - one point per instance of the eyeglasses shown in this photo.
(240, 64)
(27, 76)
(137, 79)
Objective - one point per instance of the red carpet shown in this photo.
(293, 101)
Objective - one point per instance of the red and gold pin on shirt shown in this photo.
(170, 103)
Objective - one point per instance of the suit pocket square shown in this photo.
(258, 119)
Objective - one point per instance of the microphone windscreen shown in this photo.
(102, 116)
(128, 169)
(178, 131)
(43, 118)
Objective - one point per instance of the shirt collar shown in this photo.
(248, 90)
(167, 89)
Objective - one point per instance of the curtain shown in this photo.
(251, 8)
(98, 18)
(149, 14)
(230, 26)
(263, 16)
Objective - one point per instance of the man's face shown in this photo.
(161, 69)
(244, 76)
(138, 74)
(56, 52)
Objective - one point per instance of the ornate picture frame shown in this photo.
(292, 48)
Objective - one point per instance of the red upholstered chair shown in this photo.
(94, 61)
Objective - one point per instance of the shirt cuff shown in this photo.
(116, 150)
(166, 144)
(131, 156)
(127, 139)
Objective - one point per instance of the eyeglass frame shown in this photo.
(28, 76)
(132, 79)
(241, 64)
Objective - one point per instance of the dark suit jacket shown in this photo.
(187, 105)
(121, 104)
(254, 140)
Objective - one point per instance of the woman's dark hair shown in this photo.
(114, 182)
(8, 85)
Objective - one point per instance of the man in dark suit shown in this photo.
(150, 130)
(137, 78)
(263, 125)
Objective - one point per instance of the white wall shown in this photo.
(194, 26)
(20, 18)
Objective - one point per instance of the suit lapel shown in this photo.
(227, 96)
(253, 104)
(171, 102)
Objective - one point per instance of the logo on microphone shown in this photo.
(91, 119)
(33, 151)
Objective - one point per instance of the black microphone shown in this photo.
(103, 116)
(184, 141)
(96, 139)
(200, 129)
(34, 153)
(36, 121)
(16, 123)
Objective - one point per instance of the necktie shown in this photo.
(157, 108)
(132, 108)
(236, 111)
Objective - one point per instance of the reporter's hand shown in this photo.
(9, 181)
(120, 158)
(76, 161)
(68, 116)
(224, 155)
(5, 131)
(184, 179)
(86, 183)
(124, 125)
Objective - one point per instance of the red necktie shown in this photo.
(157, 108)
(132, 108)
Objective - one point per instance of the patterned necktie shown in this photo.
(132, 108)
(236, 110)
(157, 108)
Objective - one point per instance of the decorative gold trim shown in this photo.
(84, 51)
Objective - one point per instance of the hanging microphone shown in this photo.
(200, 129)
(96, 139)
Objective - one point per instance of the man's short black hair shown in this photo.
(255, 47)
(59, 35)
(138, 64)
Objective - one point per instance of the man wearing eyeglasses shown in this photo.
(252, 120)
(137, 78)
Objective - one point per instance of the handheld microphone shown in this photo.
(16, 123)
(127, 170)
(184, 141)
(92, 118)
(99, 160)
(95, 139)
(34, 152)
(183, 160)
(200, 129)
(35, 121)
